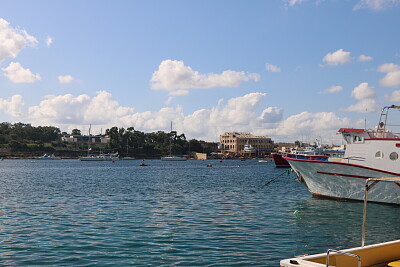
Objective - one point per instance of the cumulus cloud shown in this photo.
(376, 5)
(323, 124)
(13, 40)
(365, 95)
(332, 89)
(395, 96)
(392, 77)
(173, 75)
(12, 106)
(65, 78)
(18, 74)
(363, 106)
(271, 115)
(363, 91)
(338, 57)
(49, 41)
(364, 58)
(272, 68)
(80, 110)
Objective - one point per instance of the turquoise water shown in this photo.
(171, 214)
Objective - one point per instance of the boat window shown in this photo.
(394, 156)
(379, 155)
(357, 139)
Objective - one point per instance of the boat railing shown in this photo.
(344, 253)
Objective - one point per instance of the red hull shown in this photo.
(279, 161)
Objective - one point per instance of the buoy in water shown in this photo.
(209, 165)
(296, 213)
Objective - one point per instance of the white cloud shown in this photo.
(49, 41)
(271, 115)
(376, 5)
(65, 78)
(12, 41)
(332, 89)
(395, 96)
(17, 74)
(338, 57)
(173, 75)
(392, 77)
(13, 106)
(363, 91)
(179, 93)
(324, 124)
(388, 67)
(80, 110)
(363, 106)
(364, 58)
(295, 2)
(272, 68)
(365, 95)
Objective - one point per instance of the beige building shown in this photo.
(246, 143)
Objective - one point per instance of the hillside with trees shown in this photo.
(25, 140)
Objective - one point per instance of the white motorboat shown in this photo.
(100, 157)
(48, 157)
(173, 158)
(369, 153)
(375, 255)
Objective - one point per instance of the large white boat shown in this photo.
(369, 153)
(100, 157)
(375, 255)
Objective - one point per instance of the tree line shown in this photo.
(25, 138)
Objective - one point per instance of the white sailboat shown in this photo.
(127, 150)
(171, 157)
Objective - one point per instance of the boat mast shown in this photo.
(170, 141)
(89, 140)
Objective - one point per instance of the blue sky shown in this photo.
(292, 70)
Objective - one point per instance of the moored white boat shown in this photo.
(369, 153)
(100, 157)
(173, 158)
(48, 157)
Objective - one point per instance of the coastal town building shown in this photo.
(246, 144)
(96, 139)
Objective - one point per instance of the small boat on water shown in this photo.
(173, 158)
(375, 255)
(100, 157)
(128, 158)
(369, 153)
(48, 157)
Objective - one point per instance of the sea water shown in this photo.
(77, 213)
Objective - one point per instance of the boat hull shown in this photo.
(344, 181)
(279, 161)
